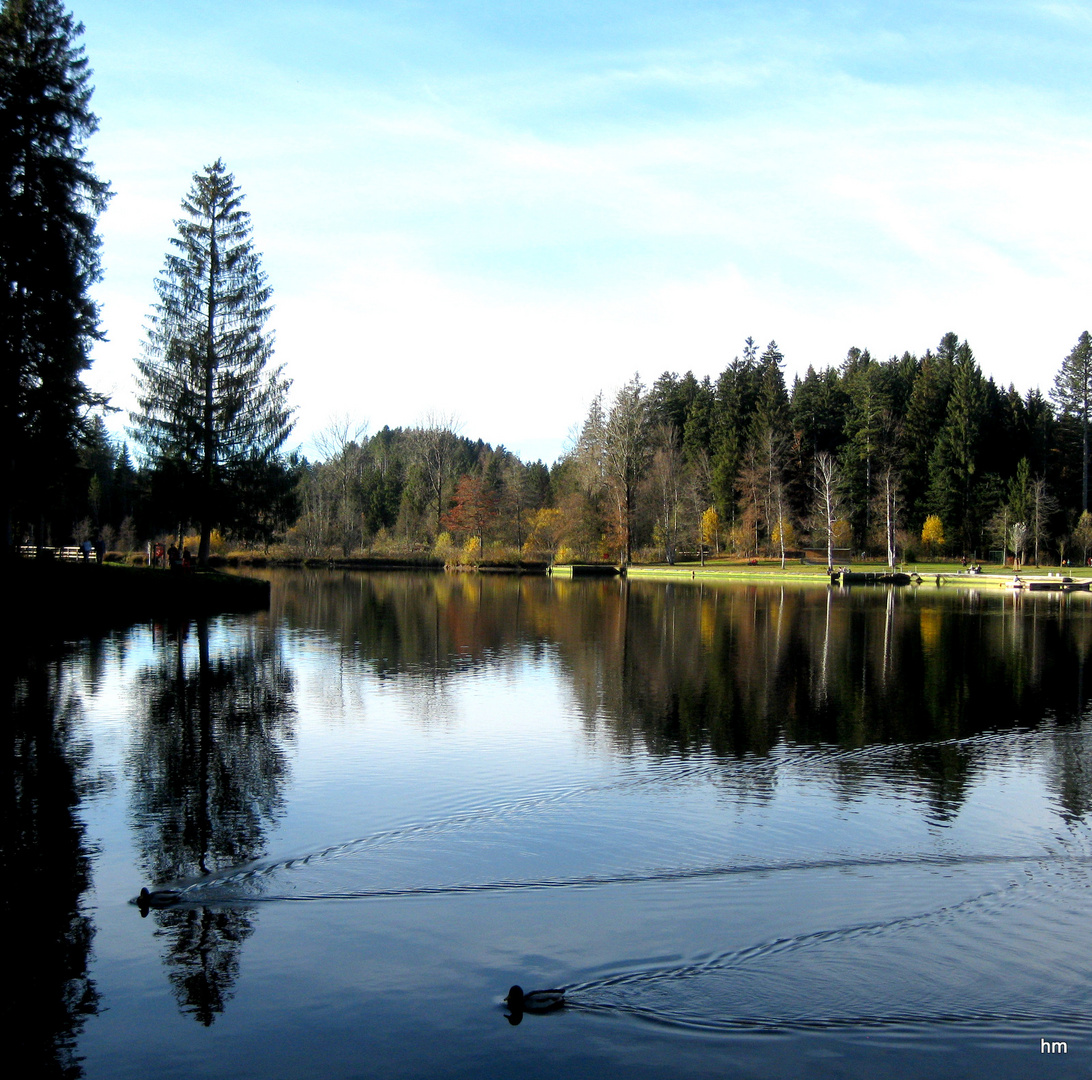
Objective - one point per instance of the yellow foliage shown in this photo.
(740, 538)
(784, 532)
(710, 526)
(545, 530)
(843, 533)
(565, 554)
(932, 533)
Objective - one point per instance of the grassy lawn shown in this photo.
(771, 568)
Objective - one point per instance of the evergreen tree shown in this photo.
(865, 429)
(926, 409)
(772, 405)
(96, 449)
(737, 395)
(1041, 432)
(671, 399)
(954, 464)
(124, 483)
(579, 482)
(1073, 395)
(209, 407)
(818, 412)
(700, 422)
(50, 198)
(628, 449)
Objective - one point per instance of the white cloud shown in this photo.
(503, 238)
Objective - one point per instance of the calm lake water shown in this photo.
(751, 831)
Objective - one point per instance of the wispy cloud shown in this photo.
(595, 188)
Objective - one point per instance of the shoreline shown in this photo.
(55, 600)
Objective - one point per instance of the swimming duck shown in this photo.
(537, 1001)
(156, 898)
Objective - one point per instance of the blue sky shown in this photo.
(497, 209)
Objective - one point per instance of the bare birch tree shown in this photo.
(826, 480)
(434, 445)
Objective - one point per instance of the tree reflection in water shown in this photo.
(743, 669)
(209, 765)
(46, 869)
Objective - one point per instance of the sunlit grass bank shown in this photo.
(771, 570)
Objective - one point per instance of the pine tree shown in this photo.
(50, 198)
(1073, 394)
(628, 448)
(954, 463)
(737, 394)
(818, 411)
(209, 407)
(926, 409)
(865, 429)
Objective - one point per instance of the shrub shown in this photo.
(472, 551)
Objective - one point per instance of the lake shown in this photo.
(750, 830)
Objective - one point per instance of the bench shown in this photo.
(71, 553)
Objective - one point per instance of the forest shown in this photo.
(909, 457)
(897, 459)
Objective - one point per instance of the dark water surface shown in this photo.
(751, 831)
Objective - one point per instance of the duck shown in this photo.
(536, 1001)
(156, 898)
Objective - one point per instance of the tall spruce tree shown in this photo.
(954, 472)
(209, 406)
(863, 380)
(50, 198)
(736, 398)
(628, 449)
(926, 410)
(1072, 394)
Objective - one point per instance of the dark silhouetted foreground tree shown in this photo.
(209, 406)
(50, 198)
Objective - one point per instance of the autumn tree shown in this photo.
(710, 531)
(435, 445)
(333, 495)
(519, 495)
(209, 405)
(50, 199)
(474, 509)
(932, 534)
